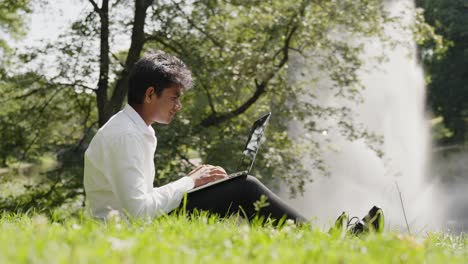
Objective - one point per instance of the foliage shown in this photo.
(38, 116)
(241, 54)
(447, 71)
(13, 16)
(207, 239)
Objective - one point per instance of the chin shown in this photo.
(164, 121)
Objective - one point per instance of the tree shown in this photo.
(448, 84)
(238, 50)
(240, 53)
(12, 16)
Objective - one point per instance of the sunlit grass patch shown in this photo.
(208, 239)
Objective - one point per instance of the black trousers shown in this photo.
(226, 198)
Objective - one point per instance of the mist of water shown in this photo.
(450, 167)
(393, 107)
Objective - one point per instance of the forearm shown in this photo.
(173, 192)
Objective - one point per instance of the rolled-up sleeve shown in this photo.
(126, 162)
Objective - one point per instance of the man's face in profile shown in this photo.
(163, 108)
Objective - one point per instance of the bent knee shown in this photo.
(253, 183)
(252, 179)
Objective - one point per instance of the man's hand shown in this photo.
(204, 174)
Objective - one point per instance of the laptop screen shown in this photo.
(253, 143)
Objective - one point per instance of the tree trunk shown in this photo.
(106, 108)
(103, 83)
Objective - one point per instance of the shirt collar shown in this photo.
(136, 118)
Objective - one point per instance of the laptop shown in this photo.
(248, 154)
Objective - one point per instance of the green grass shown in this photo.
(16, 179)
(203, 239)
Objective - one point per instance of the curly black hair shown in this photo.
(159, 70)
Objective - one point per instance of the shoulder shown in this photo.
(119, 126)
(119, 129)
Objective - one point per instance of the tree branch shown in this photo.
(25, 95)
(96, 7)
(160, 40)
(215, 119)
(116, 3)
(208, 95)
(117, 59)
(76, 84)
(194, 25)
(260, 88)
(86, 129)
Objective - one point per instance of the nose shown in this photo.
(178, 105)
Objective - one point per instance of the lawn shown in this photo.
(35, 238)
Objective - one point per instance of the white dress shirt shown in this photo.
(119, 170)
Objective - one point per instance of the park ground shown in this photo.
(35, 238)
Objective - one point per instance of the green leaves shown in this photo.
(240, 53)
(247, 57)
(37, 116)
(12, 16)
(444, 53)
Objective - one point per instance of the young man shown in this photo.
(119, 167)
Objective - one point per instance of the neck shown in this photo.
(141, 111)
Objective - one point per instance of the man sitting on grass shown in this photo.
(119, 167)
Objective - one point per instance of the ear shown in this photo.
(148, 94)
